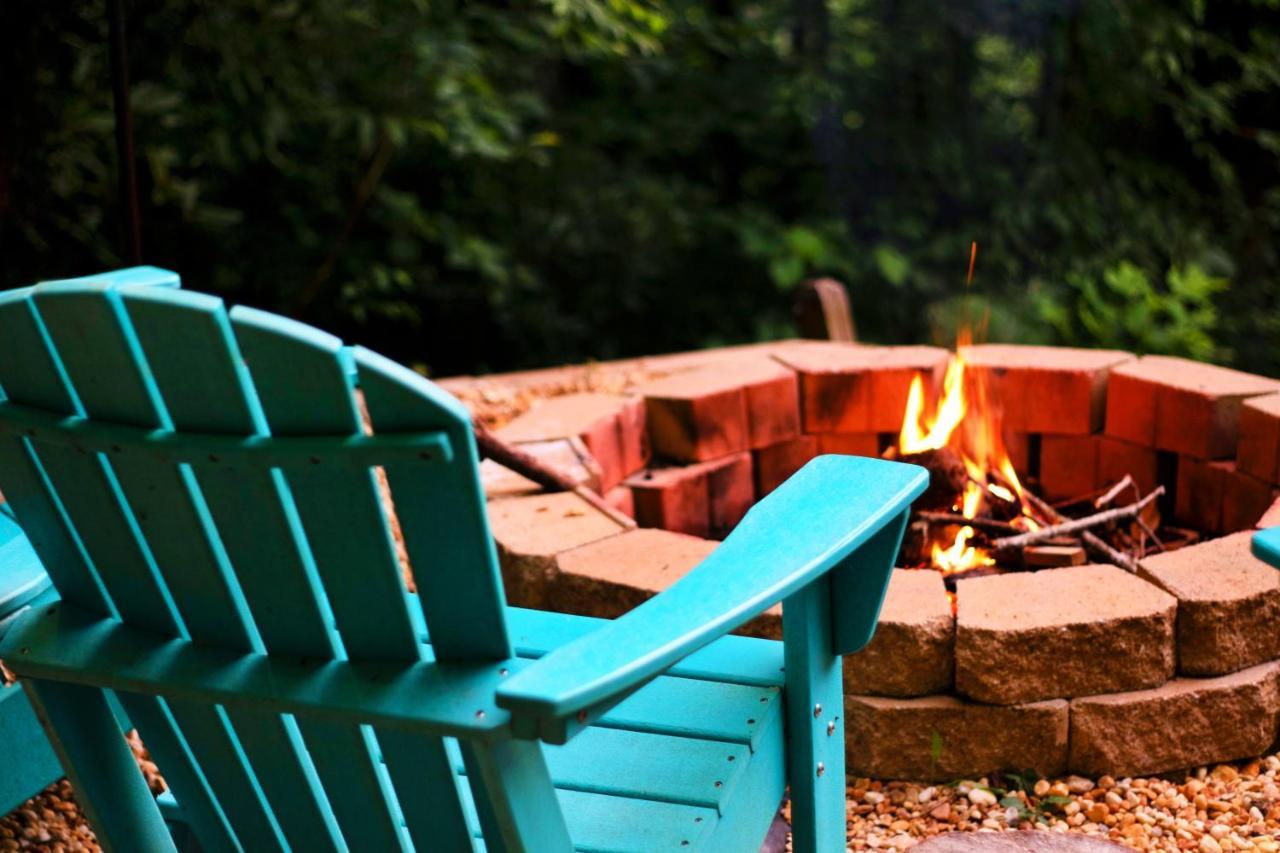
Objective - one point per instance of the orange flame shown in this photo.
(965, 420)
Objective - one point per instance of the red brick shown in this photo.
(1258, 451)
(1068, 465)
(1018, 446)
(773, 399)
(1179, 405)
(1244, 500)
(849, 443)
(1117, 458)
(634, 435)
(696, 416)
(1131, 409)
(622, 499)
(595, 418)
(672, 498)
(730, 492)
(850, 388)
(1046, 389)
(775, 463)
(1201, 487)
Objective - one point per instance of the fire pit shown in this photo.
(1075, 594)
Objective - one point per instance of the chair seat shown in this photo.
(692, 761)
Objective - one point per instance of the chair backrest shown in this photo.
(205, 474)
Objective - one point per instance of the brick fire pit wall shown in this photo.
(1086, 669)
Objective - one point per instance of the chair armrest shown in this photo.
(806, 527)
(1266, 546)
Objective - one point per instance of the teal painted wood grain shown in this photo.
(176, 522)
(1266, 546)
(518, 807)
(432, 798)
(22, 577)
(306, 389)
(293, 762)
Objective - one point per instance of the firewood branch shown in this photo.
(1014, 543)
(1094, 543)
(988, 525)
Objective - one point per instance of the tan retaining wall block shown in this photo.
(531, 531)
(1185, 722)
(1228, 604)
(941, 738)
(913, 650)
(1066, 632)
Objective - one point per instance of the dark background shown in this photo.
(482, 186)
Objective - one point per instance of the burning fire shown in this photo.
(971, 428)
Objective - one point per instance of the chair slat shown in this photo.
(288, 779)
(360, 790)
(37, 380)
(79, 321)
(213, 741)
(256, 516)
(118, 387)
(445, 528)
(305, 389)
(181, 772)
(46, 525)
(203, 387)
(431, 795)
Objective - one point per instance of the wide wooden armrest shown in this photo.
(808, 526)
(1266, 546)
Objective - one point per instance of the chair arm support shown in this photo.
(819, 517)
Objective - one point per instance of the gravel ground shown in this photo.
(1228, 807)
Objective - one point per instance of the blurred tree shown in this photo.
(478, 186)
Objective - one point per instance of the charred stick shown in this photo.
(1010, 543)
(988, 525)
(1151, 534)
(527, 465)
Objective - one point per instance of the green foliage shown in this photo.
(1124, 309)
(477, 186)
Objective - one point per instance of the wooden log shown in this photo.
(947, 477)
(1053, 556)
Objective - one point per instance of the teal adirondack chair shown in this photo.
(29, 762)
(198, 485)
